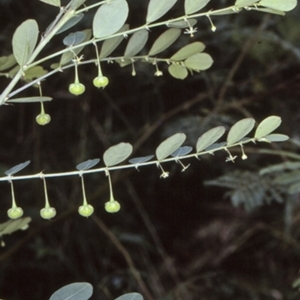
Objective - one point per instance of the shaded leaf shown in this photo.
(178, 71)
(14, 225)
(191, 6)
(215, 146)
(280, 5)
(182, 151)
(276, 137)
(74, 38)
(288, 178)
(239, 130)
(7, 62)
(52, 2)
(30, 99)
(182, 24)
(17, 168)
(165, 40)
(136, 43)
(34, 72)
(131, 296)
(24, 41)
(271, 11)
(209, 137)
(242, 3)
(74, 291)
(110, 45)
(70, 23)
(267, 126)
(116, 154)
(87, 164)
(139, 160)
(168, 146)
(294, 188)
(199, 62)
(157, 8)
(109, 18)
(289, 165)
(76, 3)
(188, 50)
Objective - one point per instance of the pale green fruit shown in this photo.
(15, 212)
(43, 119)
(76, 88)
(112, 206)
(101, 81)
(86, 210)
(48, 213)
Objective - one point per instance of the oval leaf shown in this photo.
(110, 45)
(140, 160)
(17, 168)
(280, 5)
(74, 291)
(7, 62)
(267, 126)
(76, 3)
(182, 151)
(74, 38)
(29, 99)
(131, 296)
(70, 23)
(178, 71)
(209, 137)
(239, 130)
(165, 40)
(243, 3)
(188, 50)
(157, 8)
(275, 137)
(14, 225)
(87, 164)
(191, 6)
(136, 43)
(168, 146)
(24, 41)
(199, 62)
(109, 18)
(116, 154)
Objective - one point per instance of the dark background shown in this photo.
(185, 239)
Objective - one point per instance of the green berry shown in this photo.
(86, 210)
(112, 206)
(43, 119)
(48, 213)
(101, 81)
(76, 88)
(15, 212)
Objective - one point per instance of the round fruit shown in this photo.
(48, 213)
(112, 206)
(43, 119)
(86, 210)
(15, 212)
(76, 88)
(101, 81)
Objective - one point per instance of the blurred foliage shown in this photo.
(185, 240)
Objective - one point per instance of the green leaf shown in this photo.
(267, 126)
(76, 3)
(116, 154)
(289, 165)
(243, 3)
(139, 160)
(281, 5)
(74, 38)
(182, 151)
(294, 188)
(7, 62)
(109, 18)
(110, 45)
(29, 99)
(192, 6)
(74, 291)
(14, 225)
(182, 24)
(188, 50)
(209, 137)
(199, 62)
(178, 71)
(131, 296)
(239, 130)
(271, 11)
(24, 41)
(70, 23)
(157, 8)
(168, 146)
(87, 164)
(52, 2)
(275, 137)
(34, 72)
(136, 43)
(17, 168)
(165, 40)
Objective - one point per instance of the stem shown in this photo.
(13, 204)
(111, 198)
(83, 191)
(47, 205)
